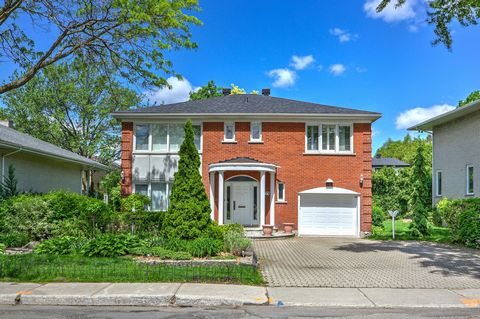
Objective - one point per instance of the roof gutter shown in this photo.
(29, 150)
(134, 115)
(3, 162)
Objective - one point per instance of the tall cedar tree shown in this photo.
(188, 215)
(418, 202)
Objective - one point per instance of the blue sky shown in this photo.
(336, 52)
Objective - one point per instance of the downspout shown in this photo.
(3, 162)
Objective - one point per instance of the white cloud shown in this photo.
(375, 132)
(301, 62)
(391, 13)
(412, 28)
(419, 114)
(179, 92)
(282, 77)
(337, 69)
(342, 35)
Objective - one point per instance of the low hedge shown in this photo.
(463, 217)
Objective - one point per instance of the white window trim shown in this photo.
(260, 137)
(278, 193)
(467, 180)
(437, 193)
(149, 191)
(337, 139)
(225, 139)
(150, 138)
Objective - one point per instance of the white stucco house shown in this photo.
(456, 152)
(41, 167)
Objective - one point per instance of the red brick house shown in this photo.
(265, 160)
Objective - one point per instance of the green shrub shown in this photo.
(237, 228)
(162, 253)
(14, 239)
(26, 215)
(2, 249)
(235, 242)
(66, 245)
(111, 245)
(378, 217)
(463, 217)
(204, 246)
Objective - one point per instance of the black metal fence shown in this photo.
(48, 268)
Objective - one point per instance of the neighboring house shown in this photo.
(456, 152)
(264, 160)
(381, 162)
(40, 166)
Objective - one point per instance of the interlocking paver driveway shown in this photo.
(340, 262)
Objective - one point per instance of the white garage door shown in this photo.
(327, 215)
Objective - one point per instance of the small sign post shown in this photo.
(393, 214)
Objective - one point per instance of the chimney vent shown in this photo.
(6, 122)
(266, 92)
(226, 91)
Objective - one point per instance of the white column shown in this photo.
(262, 198)
(272, 198)
(220, 198)
(212, 195)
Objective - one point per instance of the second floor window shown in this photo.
(163, 137)
(255, 131)
(329, 138)
(229, 131)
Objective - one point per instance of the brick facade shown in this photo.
(283, 145)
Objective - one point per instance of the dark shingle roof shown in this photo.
(16, 139)
(241, 160)
(247, 104)
(388, 161)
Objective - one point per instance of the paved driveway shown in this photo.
(335, 262)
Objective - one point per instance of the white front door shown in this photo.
(241, 200)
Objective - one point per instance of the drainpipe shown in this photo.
(3, 162)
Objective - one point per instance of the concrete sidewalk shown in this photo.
(190, 294)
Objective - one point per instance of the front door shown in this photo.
(241, 201)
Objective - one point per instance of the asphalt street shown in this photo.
(49, 312)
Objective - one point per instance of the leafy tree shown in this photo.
(474, 96)
(110, 184)
(390, 189)
(406, 149)
(188, 215)
(8, 187)
(442, 12)
(419, 202)
(212, 90)
(125, 37)
(207, 91)
(69, 105)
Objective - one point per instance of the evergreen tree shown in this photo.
(188, 215)
(8, 187)
(419, 203)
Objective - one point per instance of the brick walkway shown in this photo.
(335, 262)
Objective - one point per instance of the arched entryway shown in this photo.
(241, 200)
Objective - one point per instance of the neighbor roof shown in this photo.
(11, 138)
(428, 125)
(245, 104)
(388, 161)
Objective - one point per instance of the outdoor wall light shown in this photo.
(361, 179)
(122, 175)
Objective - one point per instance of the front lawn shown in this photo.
(38, 268)
(402, 232)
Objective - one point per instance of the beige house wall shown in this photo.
(42, 174)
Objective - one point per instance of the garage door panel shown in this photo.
(328, 215)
